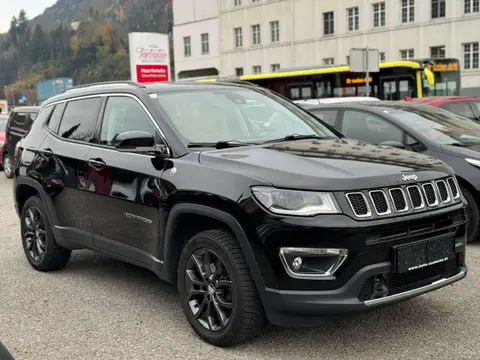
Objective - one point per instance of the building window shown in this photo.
(275, 31)
(239, 71)
(205, 44)
(353, 15)
(382, 56)
(256, 40)
(237, 32)
(237, 2)
(328, 23)
(438, 9)
(437, 52)
(257, 69)
(379, 13)
(472, 6)
(187, 46)
(407, 54)
(328, 61)
(470, 56)
(274, 67)
(408, 11)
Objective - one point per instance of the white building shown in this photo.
(263, 35)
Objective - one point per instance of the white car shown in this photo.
(335, 100)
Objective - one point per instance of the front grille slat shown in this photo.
(404, 198)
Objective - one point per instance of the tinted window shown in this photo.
(19, 120)
(328, 116)
(79, 119)
(56, 117)
(123, 114)
(227, 114)
(369, 128)
(460, 108)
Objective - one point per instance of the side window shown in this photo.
(56, 117)
(19, 120)
(414, 145)
(369, 128)
(79, 119)
(30, 118)
(123, 114)
(460, 108)
(476, 106)
(328, 116)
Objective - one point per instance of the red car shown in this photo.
(462, 105)
(3, 126)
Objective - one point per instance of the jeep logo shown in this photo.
(409, 177)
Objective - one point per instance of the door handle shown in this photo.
(97, 163)
(47, 152)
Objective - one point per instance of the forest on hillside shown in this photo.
(89, 46)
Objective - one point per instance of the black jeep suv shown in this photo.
(273, 217)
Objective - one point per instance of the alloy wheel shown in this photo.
(209, 290)
(35, 234)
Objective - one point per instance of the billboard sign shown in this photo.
(149, 57)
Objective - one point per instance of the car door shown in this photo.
(15, 131)
(462, 108)
(123, 190)
(368, 127)
(71, 131)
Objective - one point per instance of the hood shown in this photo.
(333, 164)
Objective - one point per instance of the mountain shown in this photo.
(83, 39)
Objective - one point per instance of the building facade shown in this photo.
(264, 35)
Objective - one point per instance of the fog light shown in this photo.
(312, 263)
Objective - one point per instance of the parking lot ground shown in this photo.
(98, 308)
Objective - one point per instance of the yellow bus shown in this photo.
(395, 80)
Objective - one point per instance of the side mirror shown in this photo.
(139, 142)
(393, 143)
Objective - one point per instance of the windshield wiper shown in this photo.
(223, 144)
(298, 137)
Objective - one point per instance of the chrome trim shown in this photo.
(434, 191)
(456, 185)
(341, 255)
(419, 291)
(422, 205)
(389, 209)
(404, 199)
(369, 212)
(439, 194)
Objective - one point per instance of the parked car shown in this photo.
(19, 122)
(420, 128)
(335, 100)
(3, 126)
(293, 224)
(461, 105)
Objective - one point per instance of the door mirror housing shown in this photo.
(138, 142)
(393, 143)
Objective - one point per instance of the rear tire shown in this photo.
(473, 215)
(7, 166)
(42, 251)
(239, 303)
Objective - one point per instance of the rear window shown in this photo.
(460, 108)
(328, 116)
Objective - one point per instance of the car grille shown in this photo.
(400, 199)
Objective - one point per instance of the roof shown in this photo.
(438, 100)
(375, 106)
(26, 108)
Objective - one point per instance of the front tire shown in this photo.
(42, 251)
(473, 215)
(7, 166)
(218, 295)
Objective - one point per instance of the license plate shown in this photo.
(418, 255)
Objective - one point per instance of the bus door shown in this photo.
(397, 87)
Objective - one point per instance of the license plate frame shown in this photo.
(420, 254)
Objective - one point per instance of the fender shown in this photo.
(189, 208)
(47, 201)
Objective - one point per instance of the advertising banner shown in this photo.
(149, 57)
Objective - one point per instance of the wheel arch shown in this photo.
(220, 217)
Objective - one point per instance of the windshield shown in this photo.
(213, 115)
(439, 125)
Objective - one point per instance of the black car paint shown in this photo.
(141, 208)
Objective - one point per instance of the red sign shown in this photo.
(152, 73)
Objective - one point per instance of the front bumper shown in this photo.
(296, 308)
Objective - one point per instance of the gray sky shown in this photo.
(10, 8)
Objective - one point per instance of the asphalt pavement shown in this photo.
(99, 308)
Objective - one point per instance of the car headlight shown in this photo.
(295, 202)
(473, 162)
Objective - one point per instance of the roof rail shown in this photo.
(118, 82)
